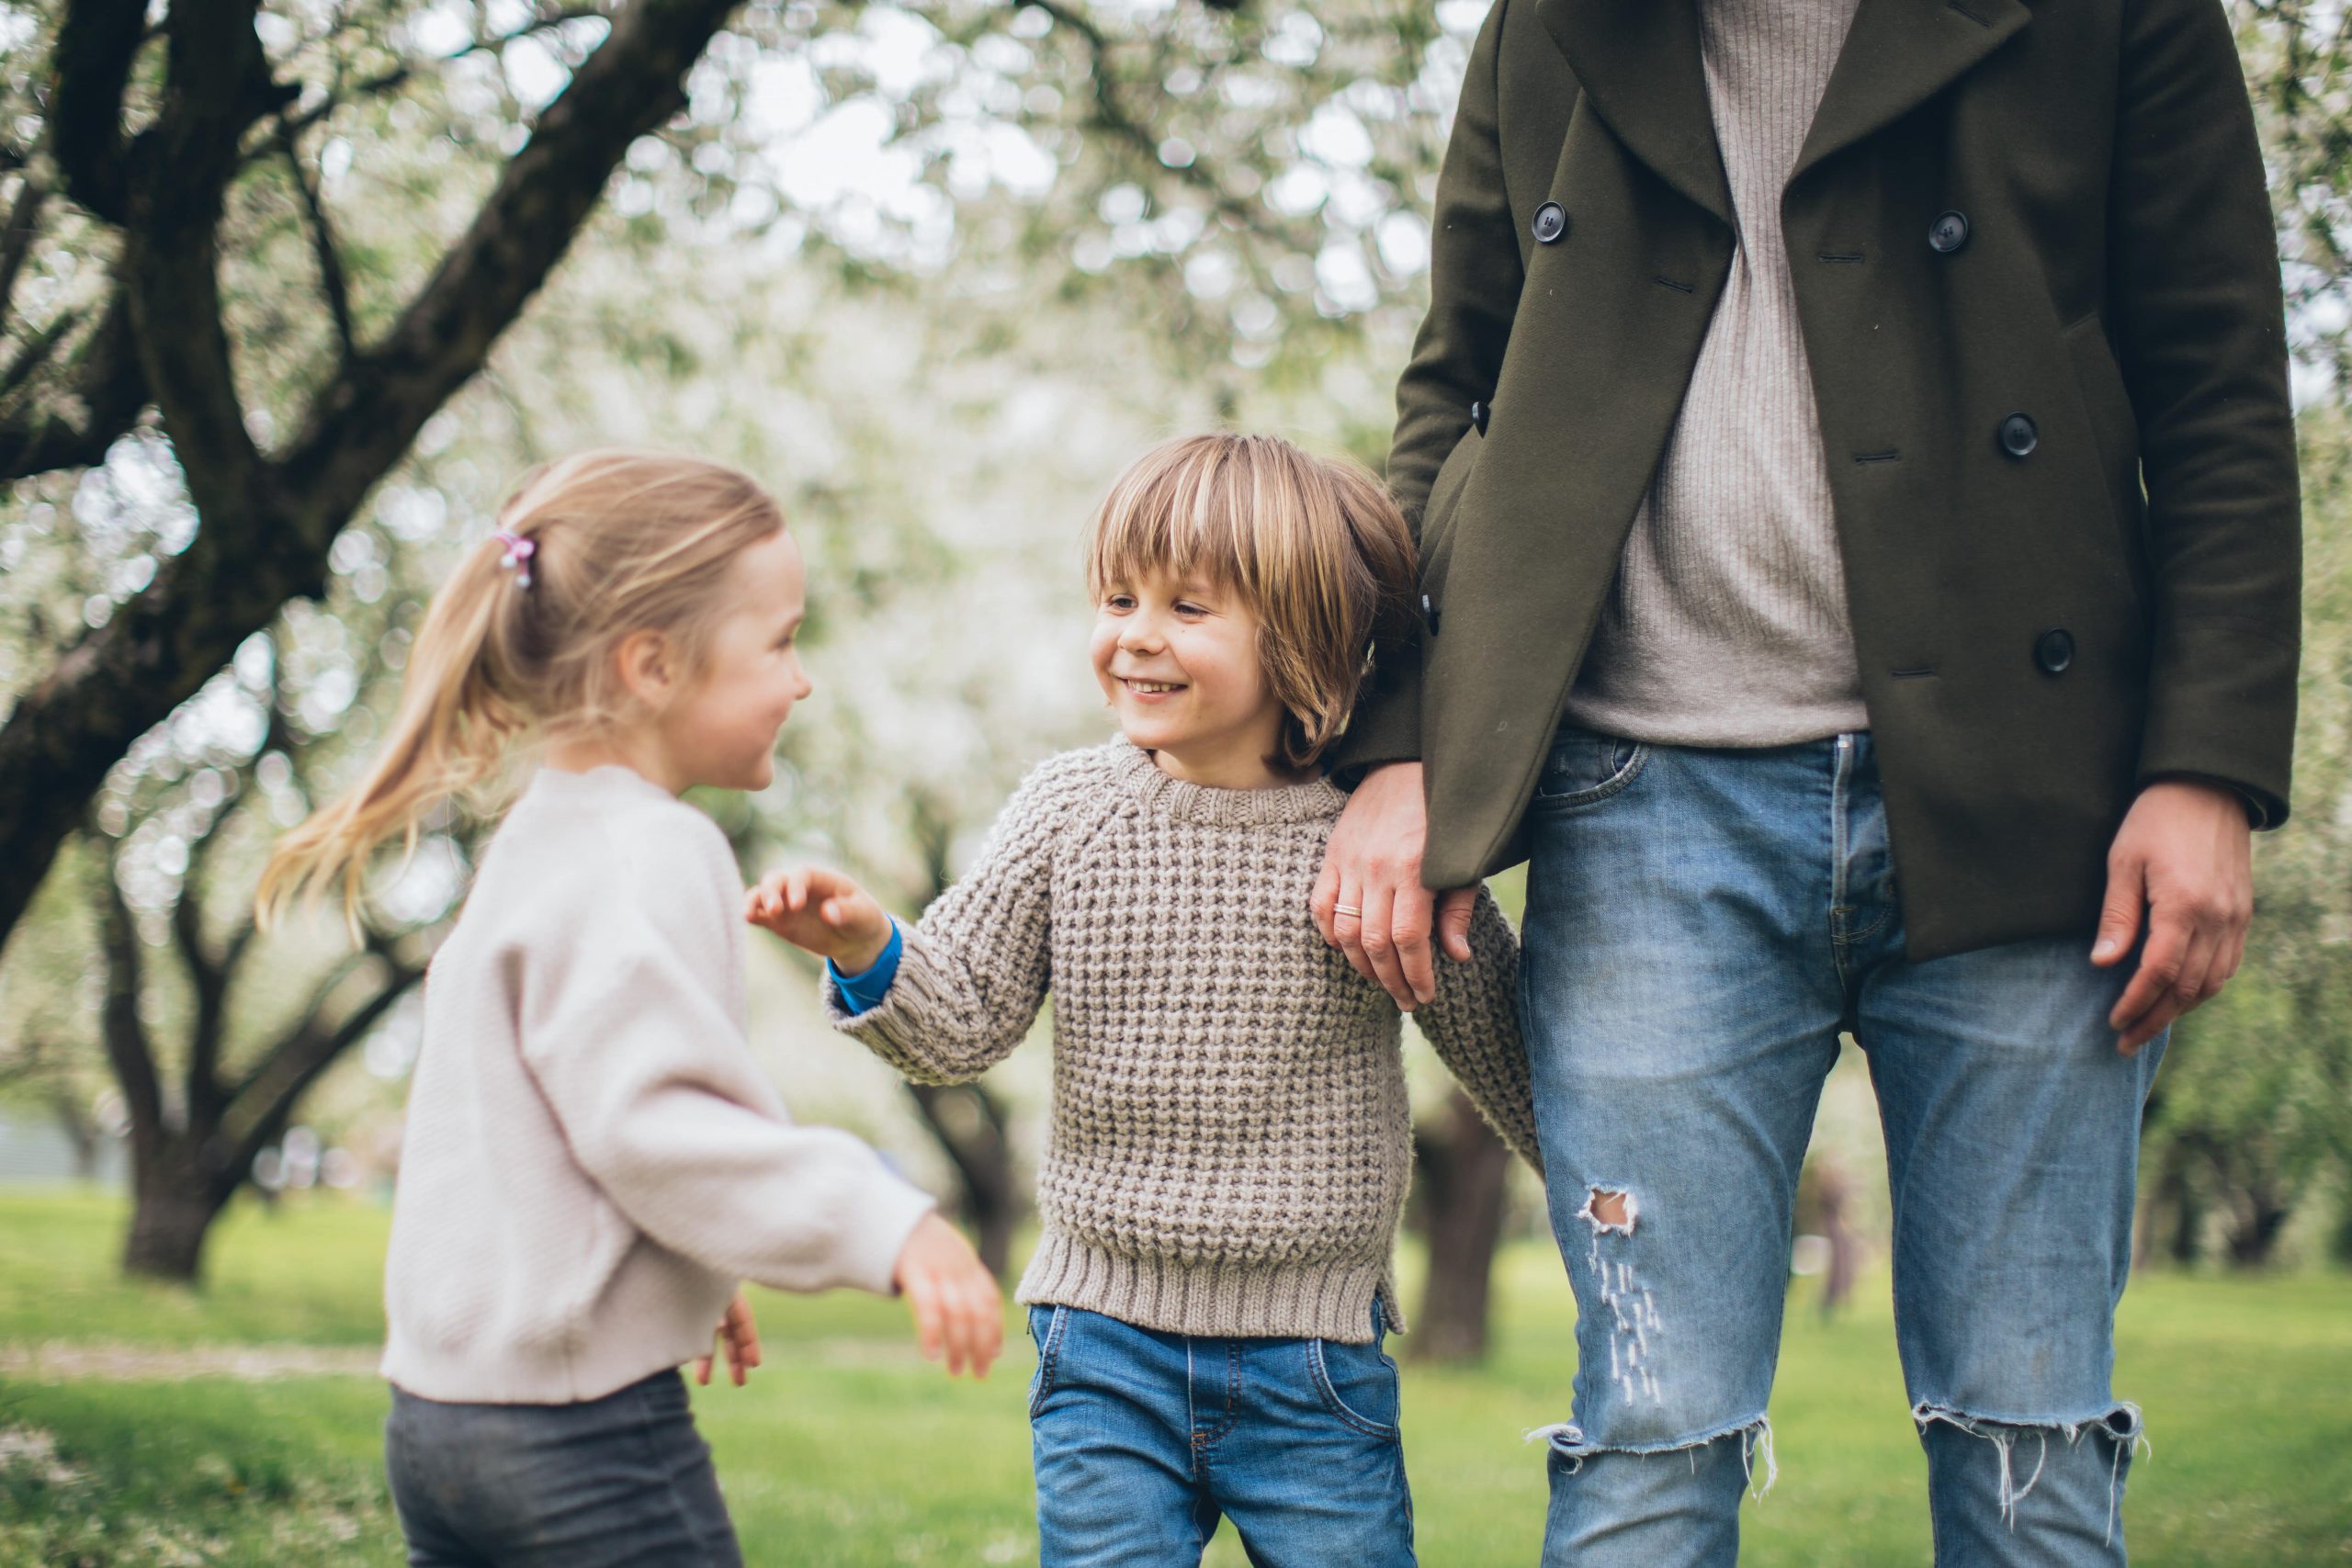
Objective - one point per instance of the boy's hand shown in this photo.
(958, 1310)
(822, 911)
(740, 1337)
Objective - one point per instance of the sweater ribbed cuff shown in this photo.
(1314, 1301)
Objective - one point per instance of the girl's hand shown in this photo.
(958, 1310)
(823, 912)
(740, 1337)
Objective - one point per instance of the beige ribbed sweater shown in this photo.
(591, 1158)
(1727, 625)
(1230, 1145)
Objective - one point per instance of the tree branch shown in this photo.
(111, 389)
(266, 529)
(301, 1058)
(36, 354)
(332, 282)
(400, 75)
(97, 43)
(17, 240)
(364, 420)
(126, 1036)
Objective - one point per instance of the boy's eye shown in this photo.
(1120, 602)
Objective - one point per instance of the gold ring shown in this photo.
(1347, 909)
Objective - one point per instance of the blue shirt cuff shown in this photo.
(863, 991)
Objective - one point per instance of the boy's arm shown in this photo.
(966, 981)
(1474, 1026)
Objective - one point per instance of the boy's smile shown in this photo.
(1180, 664)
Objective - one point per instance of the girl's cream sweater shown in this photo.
(592, 1160)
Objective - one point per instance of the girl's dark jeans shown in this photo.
(623, 1480)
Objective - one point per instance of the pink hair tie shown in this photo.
(517, 559)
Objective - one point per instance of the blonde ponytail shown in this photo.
(517, 644)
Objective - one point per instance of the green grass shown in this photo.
(846, 1452)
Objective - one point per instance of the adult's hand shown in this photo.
(2185, 856)
(1369, 901)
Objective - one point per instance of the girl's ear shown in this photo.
(647, 667)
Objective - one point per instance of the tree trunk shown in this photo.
(969, 1124)
(80, 1133)
(2253, 1232)
(175, 1201)
(1464, 1169)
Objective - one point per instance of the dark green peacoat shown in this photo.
(2053, 211)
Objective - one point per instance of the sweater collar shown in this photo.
(1180, 801)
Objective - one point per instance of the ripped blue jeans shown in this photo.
(1701, 926)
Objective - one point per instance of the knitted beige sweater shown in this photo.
(1230, 1145)
(1727, 625)
(593, 1159)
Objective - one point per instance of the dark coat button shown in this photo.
(1948, 232)
(1551, 222)
(2054, 651)
(2019, 436)
(1429, 614)
(1478, 414)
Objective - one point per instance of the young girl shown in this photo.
(1230, 1143)
(592, 1160)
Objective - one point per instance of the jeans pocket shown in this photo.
(1047, 1325)
(1357, 1383)
(1585, 767)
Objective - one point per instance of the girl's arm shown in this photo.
(630, 1023)
(1473, 1025)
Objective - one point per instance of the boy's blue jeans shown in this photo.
(1143, 1440)
(1701, 926)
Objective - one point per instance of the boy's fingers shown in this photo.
(702, 1371)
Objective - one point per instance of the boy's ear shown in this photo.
(646, 666)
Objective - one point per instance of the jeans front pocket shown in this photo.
(1357, 1383)
(1586, 767)
(1045, 1328)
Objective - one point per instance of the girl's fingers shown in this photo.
(923, 1299)
(991, 1334)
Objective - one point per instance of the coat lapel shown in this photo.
(1638, 63)
(1899, 54)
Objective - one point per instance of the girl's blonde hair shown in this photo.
(518, 645)
(1315, 545)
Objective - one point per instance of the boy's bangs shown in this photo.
(1176, 520)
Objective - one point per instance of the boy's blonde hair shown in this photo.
(1315, 545)
(518, 645)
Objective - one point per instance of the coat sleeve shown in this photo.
(973, 973)
(639, 1056)
(1473, 1025)
(1474, 278)
(2199, 325)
